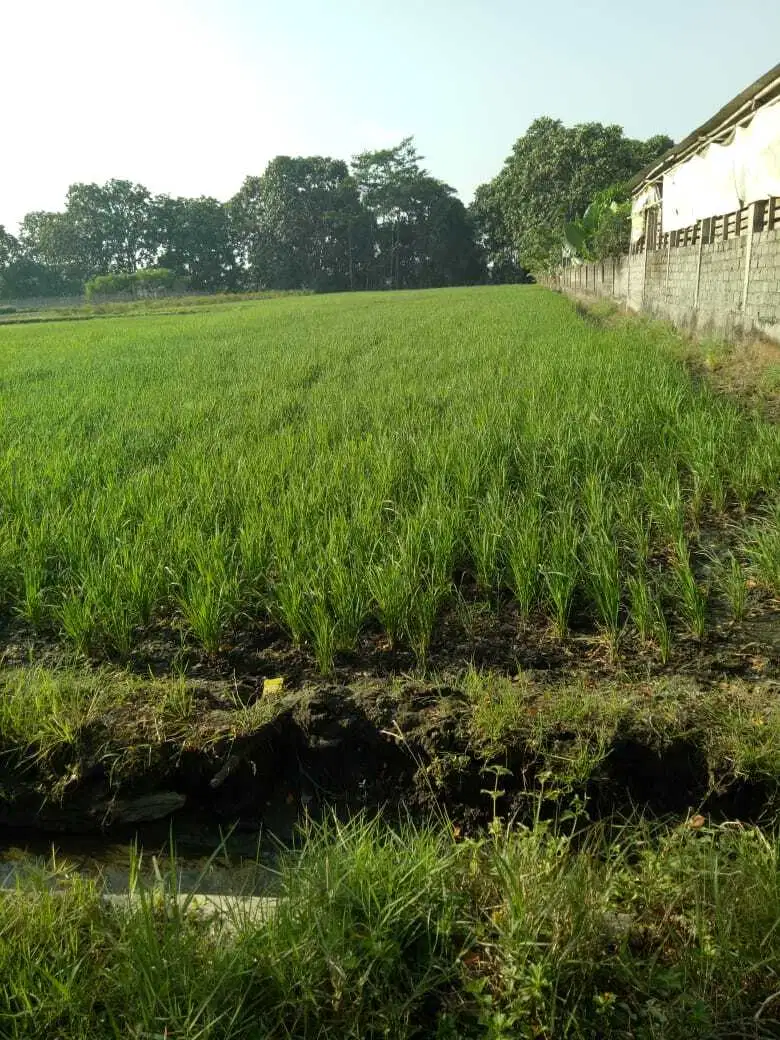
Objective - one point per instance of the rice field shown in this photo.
(342, 465)
(353, 484)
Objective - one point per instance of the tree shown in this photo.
(193, 238)
(301, 225)
(424, 235)
(110, 225)
(9, 251)
(104, 229)
(436, 243)
(49, 261)
(385, 179)
(554, 172)
(494, 237)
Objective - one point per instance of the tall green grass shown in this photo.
(330, 464)
(630, 930)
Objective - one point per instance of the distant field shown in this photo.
(333, 466)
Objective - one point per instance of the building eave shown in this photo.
(740, 108)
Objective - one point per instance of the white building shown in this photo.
(728, 163)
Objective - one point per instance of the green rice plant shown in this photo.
(209, 604)
(691, 596)
(602, 560)
(643, 605)
(703, 449)
(666, 507)
(323, 631)
(220, 468)
(343, 577)
(756, 470)
(254, 549)
(77, 618)
(763, 549)
(32, 605)
(486, 538)
(561, 566)
(634, 526)
(732, 578)
(524, 553)
(290, 599)
(429, 595)
(390, 590)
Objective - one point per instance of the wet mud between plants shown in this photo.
(490, 636)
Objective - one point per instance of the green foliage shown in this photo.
(150, 281)
(194, 238)
(424, 234)
(630, 930)
(604, 230)
(553, 174)
(315, 223)
(301, 225)
(495, 237)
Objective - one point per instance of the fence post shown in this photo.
(668, 263)
(698, 270)
(751, 227)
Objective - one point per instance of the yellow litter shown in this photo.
(271, 687)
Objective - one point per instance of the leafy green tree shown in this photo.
(424, 234)
(103, 229)
(111, 225)
(552, 175)
(194, 240)
(49, 262)
(9, 250)
(385, 179)
(436, 239)
(301, 225)
(494, 237)
(9, 245)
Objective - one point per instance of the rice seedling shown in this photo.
(692, 596)
(603, 580)
(642, 604)
(486, 539)
(561, 567)
(763, 547)
(524, 553)
(733, 580)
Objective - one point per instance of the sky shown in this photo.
(188, 97)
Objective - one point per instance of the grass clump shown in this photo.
(632, 929)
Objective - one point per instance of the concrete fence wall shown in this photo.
(723, 286)
(41, 303)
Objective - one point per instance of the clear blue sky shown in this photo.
(190, 96)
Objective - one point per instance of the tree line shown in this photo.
(381, 221)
